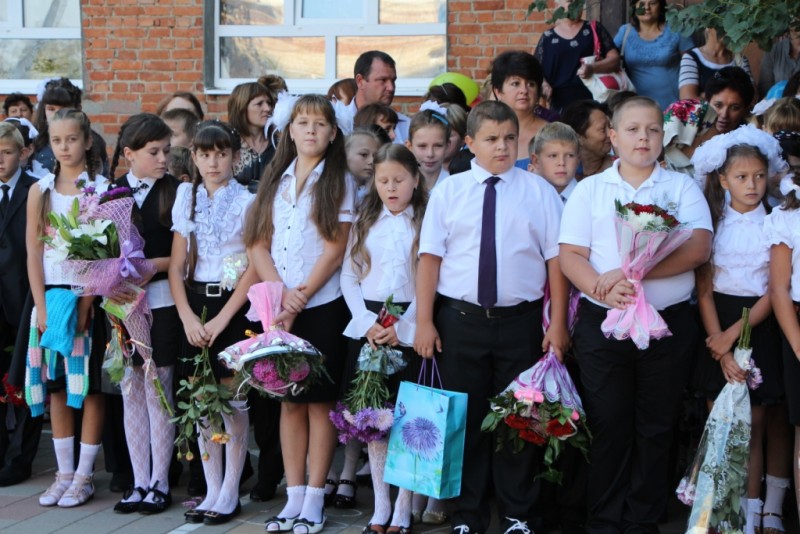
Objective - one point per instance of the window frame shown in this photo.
(367, 26)
(14, 29)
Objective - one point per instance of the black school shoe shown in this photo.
(263, 491)
(216, 518)
(161, 501)
(123, 507)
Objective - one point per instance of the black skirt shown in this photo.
(765, 340)
(791, 377)
(413, 362)
(16, 374)
(165, 337)
(322, 326)
(234, 333)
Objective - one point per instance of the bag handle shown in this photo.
(596, 38)
(435, 376)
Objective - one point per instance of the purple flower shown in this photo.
(754, 378)
(422, 437)
(686, 492)
(300, 373)
(266, 373)
(384, 419)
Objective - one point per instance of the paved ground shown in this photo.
(20, 511)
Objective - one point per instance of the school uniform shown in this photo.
(489, 328)
(296, 247)
(631, 395)
(17, 450)
(391, 273)
(567, 191)
(783, 227)
(741, 277)
(218, 227)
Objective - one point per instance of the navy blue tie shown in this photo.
(487, 261)
(5, 199)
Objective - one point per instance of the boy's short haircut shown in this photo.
(9, 132)
(186, 117)
(491, 110)
(633, 102)
(15, 99)
(553, 132)
(370, 114)
(180, 161)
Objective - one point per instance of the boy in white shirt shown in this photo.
(487, 246)
(631, 395)
(554, 156)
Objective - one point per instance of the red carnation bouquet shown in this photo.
(646, 234)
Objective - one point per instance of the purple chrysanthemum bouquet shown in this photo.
(366, 413)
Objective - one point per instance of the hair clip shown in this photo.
(33, 133)
(785, 135)
(437, 110)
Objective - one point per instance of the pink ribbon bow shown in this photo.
(126, 267)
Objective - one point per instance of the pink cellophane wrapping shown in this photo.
(105, 277)
(265, 305)
(640, 251)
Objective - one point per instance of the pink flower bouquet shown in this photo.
(276, 362)
(646, 234)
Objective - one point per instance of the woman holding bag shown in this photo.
(560, 51)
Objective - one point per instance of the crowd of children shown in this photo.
(465, 241)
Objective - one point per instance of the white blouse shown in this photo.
(218, 225)
(741, 254)
(391, 272)
(296, 241)
(54, 273)
(157, 292)
(783, 227)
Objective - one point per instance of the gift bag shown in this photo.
(426, 444)
(603, 86)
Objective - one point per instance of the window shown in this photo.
(39, 39)
(312, 43)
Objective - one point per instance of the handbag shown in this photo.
(426, 444)
(603, 86)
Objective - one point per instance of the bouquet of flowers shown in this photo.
(366, 413)
(646, 234)
(276, 362)
(202, 401)
(716, 482)
(541, 406)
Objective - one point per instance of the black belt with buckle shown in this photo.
(499, 312)
(209, 289)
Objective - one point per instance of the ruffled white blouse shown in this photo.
(741, 254)
(391, 272)
(296, 241)
(783, 227)
(54, 273)
(218, 225)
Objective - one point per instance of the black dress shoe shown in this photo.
(217, 518)
(197, 485)
(11, 475)
(161, 501)
(195, 515)
(346, 501)
(120, 482)
(123, 507)
(263, 491)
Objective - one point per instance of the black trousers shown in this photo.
(265, 414)
(481, 357)
(631, 398)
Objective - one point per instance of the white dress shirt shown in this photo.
(783, 227)
(391, 273)
(741, 254)
(157, 292)
(296, 241)
(218, 225)
(568, 190)
(589, 217)
(527, 216)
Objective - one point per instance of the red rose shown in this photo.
(681, 113)
(532, 437)
(516, 422)
(557, 430)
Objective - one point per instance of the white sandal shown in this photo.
(53, 494)
(81, 490)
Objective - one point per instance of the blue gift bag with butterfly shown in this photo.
(426, 443)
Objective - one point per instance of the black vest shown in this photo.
(157, 236)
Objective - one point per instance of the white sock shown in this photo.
(294, 502)
(365, 469)
(752, 515)
(212, 466)
(351, 453)
(383, 501)
(402, 509)
(86, 461)
(773, 503)
(65, 454)
(236, 425)
(313, 504)
(162, 432)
